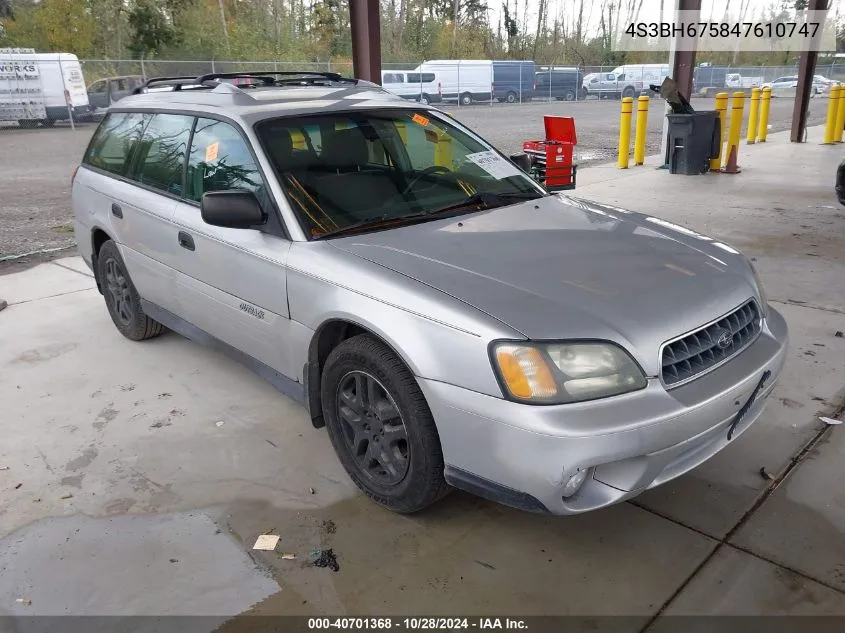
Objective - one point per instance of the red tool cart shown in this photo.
(552, 162)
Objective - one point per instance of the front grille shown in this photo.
(700, 351)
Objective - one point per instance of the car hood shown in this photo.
(564, 268)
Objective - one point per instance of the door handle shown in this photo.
(116, 211)
(186, 241)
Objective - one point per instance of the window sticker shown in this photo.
(494, 164)
(420, 120)
(211, 152)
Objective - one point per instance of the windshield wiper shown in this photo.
(373, 222)
(488, 199)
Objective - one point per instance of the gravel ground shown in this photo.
(36, 165)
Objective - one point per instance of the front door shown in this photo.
(232, 283)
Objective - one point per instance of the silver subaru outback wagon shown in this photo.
(450, 322)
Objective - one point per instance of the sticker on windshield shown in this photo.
(420, 119)
(494, 164)
(211, 152)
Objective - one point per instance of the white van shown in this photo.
(462, 80)
(418, 86)
(38, 88)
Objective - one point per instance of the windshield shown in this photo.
(368, 168)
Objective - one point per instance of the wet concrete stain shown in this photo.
(119, 506)
(74, 480)
(84, 460)
(104, 417)
(42, 354)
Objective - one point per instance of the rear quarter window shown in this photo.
(114, 142)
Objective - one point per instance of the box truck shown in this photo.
(41, 88)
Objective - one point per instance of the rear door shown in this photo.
(139, 158)
(232, 282)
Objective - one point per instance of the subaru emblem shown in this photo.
(725, 340)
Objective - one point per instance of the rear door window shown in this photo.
(114, 142)
(160, 156)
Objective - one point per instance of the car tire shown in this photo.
(584, 93)
(569, 95)
(424, 99)
(398, 465)
(466, 99)
(122, 299)
(511, 97)
(628, 92)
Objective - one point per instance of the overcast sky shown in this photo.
(650, 10)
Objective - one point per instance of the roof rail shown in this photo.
(175, 82)
(287, 75)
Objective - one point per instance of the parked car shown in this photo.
(782, 82)
(416, 86)
(840, 182)
(563, 84)
(736, 80)
(447, 320)
(513, 81)
(822, 84)
(628, 81)
(104, 92)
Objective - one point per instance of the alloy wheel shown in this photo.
(117, 286)
(373, 428)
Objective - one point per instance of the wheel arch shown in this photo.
(98, 238)
(326, 337)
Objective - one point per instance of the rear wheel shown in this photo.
(381, 427)
(511, 97)
(569, 95)
(424, 99)
(466, 99)
(628, 92)
(122, 299)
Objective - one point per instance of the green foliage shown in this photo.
(318, 31)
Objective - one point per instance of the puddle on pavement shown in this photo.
(464, 555)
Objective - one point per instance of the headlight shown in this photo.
(764, 299)
(558, 373)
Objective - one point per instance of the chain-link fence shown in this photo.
(43, 90)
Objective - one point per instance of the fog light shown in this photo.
(574, 484)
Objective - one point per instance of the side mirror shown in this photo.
(524, 161)
(232, 209)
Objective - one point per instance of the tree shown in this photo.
(150, 30)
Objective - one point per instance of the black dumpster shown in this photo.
(693, 140)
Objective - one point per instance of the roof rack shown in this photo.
(287, 76)
(266, 77)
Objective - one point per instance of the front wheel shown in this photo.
(424, 99)
(628, 92)
(381, 427)
(569, 95)
(466, 99)
(511, 97)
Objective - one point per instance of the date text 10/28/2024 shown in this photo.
(417, 624)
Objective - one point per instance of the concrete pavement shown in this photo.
(131, 456)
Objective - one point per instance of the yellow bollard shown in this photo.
(751, 136)
(840, 116)
(735, 132)
(763, 122)
(832, 114)
(721, 112)
(625, 132)
(642, 127)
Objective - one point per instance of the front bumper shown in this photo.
(524, 455)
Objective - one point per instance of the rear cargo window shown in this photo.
(114, 141)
